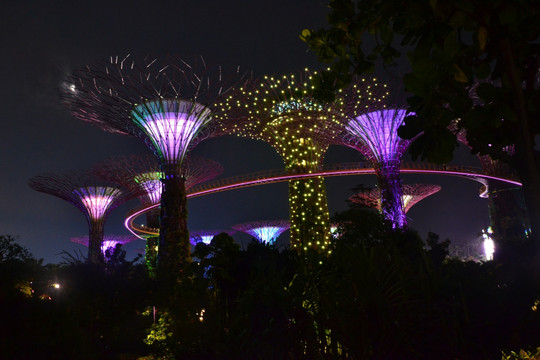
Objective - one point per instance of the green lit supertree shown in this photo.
(285, 113)
(165, 103)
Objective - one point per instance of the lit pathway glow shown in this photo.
(274, 176)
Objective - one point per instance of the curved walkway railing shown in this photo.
(341, 169)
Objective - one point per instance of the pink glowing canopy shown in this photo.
(152, 186)
(171, 125)
(109, 241)
(377, 130)
(97, 199)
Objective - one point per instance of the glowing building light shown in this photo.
(265, 231)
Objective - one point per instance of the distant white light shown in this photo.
(489, 245)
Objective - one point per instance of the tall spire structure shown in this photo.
(265, 231)
(411, 195)
(94, 197)
(284, 113)
(166, 104)
(143, 171)
(371, 128)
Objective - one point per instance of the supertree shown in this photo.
(371, 127)
(508, 215)
(144, 172)
(109, 241)
(206, 236)
(265, 231)
(411, 195)
(285, 113)
(166, 104)
(95, 197)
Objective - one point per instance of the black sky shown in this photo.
(42, 41)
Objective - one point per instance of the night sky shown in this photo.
(42, 42)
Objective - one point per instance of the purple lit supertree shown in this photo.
(371, 128)
(95, 197)
(285, 113)
(265, 231)
(109, 241)
(143, 171)
(166, 104)
(411, 195)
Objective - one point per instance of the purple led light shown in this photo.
(204, 236)
(110, 241)
(171, 125)
(378, 131)
(97, 199)
(152, 185)
(108, 244)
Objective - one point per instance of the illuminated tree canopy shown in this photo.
(144, 171)
(206, 236)
(93, 196)
(411, 195)
(266, 231)
(162, 101)
(109, 241)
